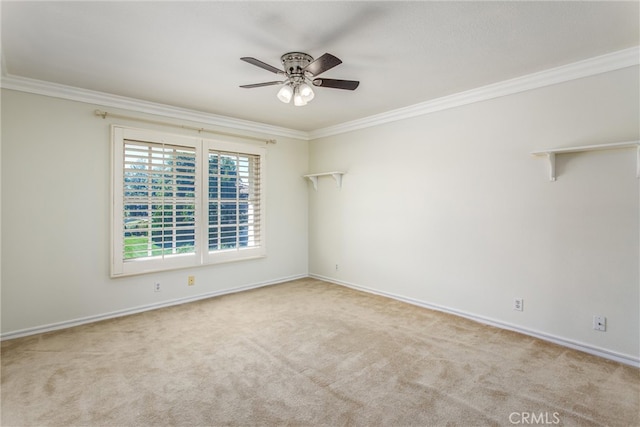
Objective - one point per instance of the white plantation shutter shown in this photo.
(235, 202)
(181, 202)
(159, 200)
(234, 212)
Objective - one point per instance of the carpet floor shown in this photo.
(306, 353)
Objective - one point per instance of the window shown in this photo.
(182, 202)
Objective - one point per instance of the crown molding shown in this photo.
(103, 99)
(589, 67)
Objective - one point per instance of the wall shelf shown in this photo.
(314, 178)
(551, 154)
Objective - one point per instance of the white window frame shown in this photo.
(202, 256)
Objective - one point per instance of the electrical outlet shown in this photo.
(337, 267)
(191, 280)
(518, 304)
(600, 323)
(156, 287)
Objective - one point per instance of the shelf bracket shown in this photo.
(338, 177)
(314, 181)
(551, 159)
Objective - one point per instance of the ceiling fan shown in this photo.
(300, 70)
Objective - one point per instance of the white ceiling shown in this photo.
(187, 54)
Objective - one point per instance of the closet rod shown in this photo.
(104, 115)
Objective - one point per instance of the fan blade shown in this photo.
(337, 84)
(261, 84)
(322, 64)
(258, 63)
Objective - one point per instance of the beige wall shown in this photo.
(451, 210)
(55, 219)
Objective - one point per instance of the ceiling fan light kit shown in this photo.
(285, 94)
(299, 70)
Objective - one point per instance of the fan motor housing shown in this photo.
(294, 62)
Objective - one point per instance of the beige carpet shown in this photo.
(306, 353)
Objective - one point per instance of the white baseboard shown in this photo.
(587, 348)
(120, 313)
